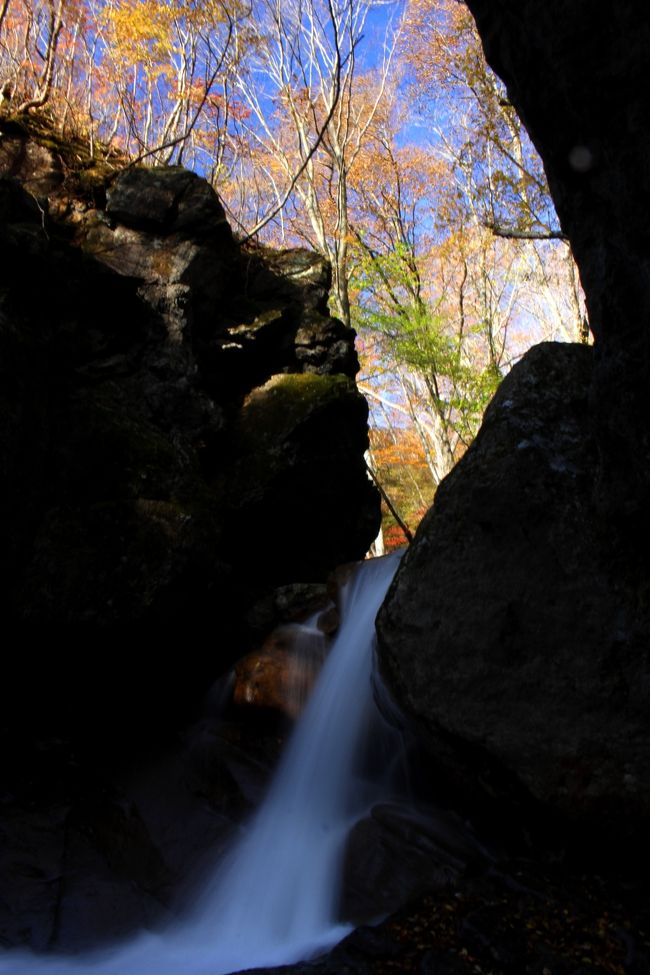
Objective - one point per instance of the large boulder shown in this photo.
(182, 464)
(148, 477)
(511, 636)
(301, 441)
(516, 633)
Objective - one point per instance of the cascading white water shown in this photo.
(273, 900)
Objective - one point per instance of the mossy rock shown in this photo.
(274, 414)
(300, 473)
(96, 175)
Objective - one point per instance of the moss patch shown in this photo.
(271, 413)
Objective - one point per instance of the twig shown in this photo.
(188, 131)
(321, 135)
(408, 534)
(513, 234)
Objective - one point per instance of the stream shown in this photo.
(273, 899)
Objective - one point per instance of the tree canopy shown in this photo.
(373, 132)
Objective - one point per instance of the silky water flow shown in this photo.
(273, 899)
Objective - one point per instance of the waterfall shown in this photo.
(273, 899)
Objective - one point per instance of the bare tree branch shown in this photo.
(182, 138)
(319, 138)
(3, 11)
(511, 233)
(44, 86)
(408, 534)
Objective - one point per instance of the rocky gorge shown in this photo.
(182, 454)
(179, 418)
(153, 457)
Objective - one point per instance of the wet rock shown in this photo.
(31, 872)
(115, 879)
(329, 621)
(297, 601)
(226, 768)
(399, 851)
(280, 675)
(76, 873)
(95, 849)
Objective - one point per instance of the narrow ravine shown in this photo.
(274, 898)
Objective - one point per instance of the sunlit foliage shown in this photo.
(372, 132)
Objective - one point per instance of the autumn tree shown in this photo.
(423, 297)
(166, 73)
(310, 111)
(459, 263)
(371, 132)
(154, 78)
(498, 176)
(30, 37)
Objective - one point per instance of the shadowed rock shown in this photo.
(509, 636)
(135, 335)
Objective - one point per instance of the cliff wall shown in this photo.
(180, 431)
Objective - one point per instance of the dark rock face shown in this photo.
(141, 453)
(576, 75)
(181, 459)
(509, 635)
(181, 443)
(289, 428)
(396, 852)
(516, 632)
(91, 852)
